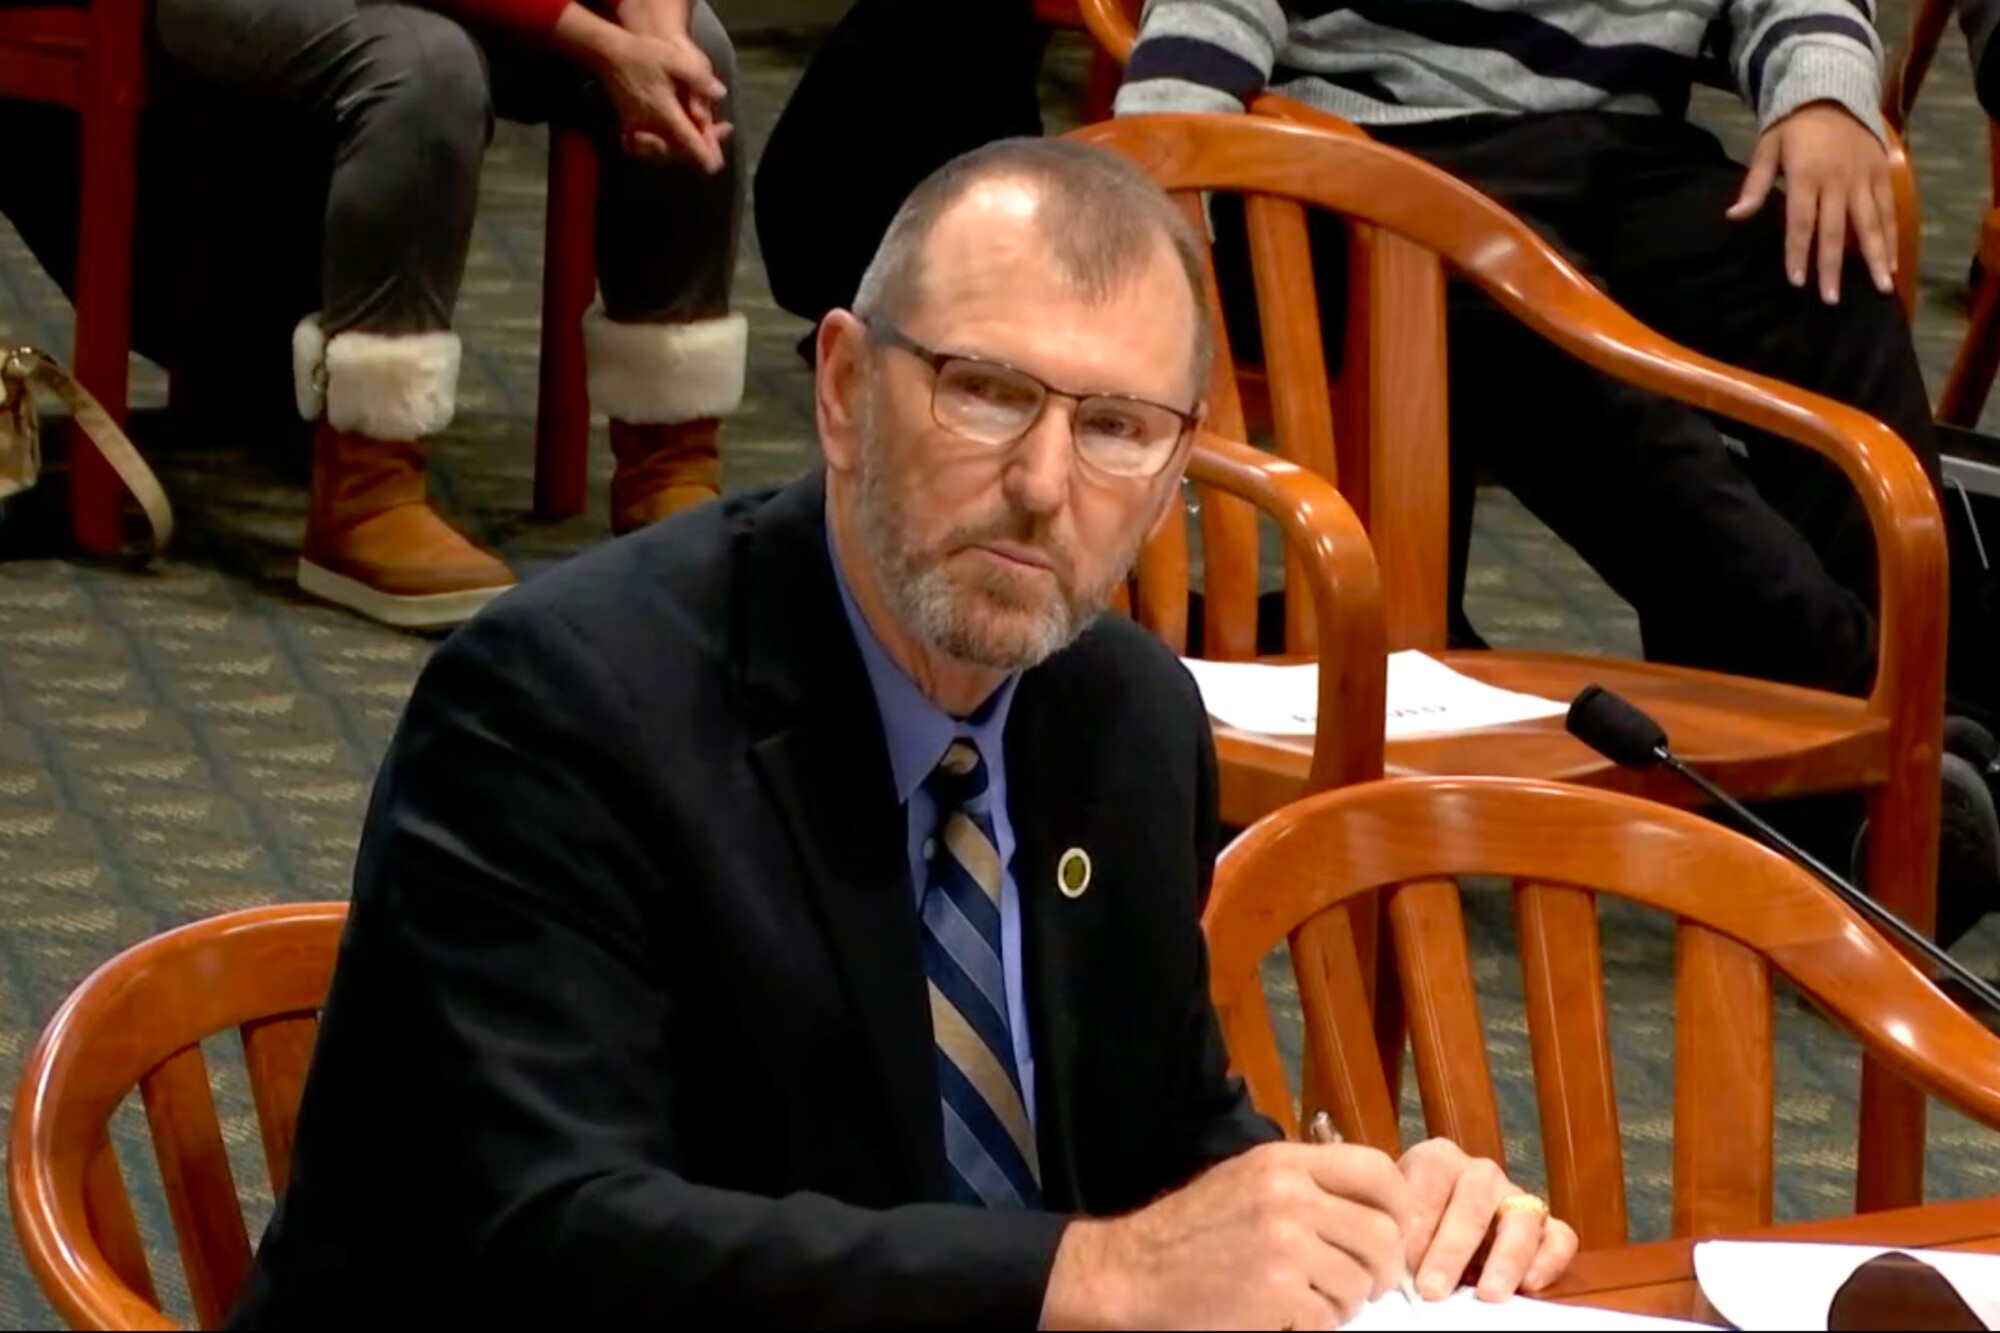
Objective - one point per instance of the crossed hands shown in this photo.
(1836, 177)
(1298, 1236)
(665, 91)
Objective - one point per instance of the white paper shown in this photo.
(1425, 698)
(1776, 1285)
(1463, 1309)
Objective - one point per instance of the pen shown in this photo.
(1324, 1132)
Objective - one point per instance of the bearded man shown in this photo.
(789, 913)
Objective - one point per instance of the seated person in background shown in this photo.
(947, 77)
(1573, 115)
(789, 914)
(1981, 19)
(406, 98)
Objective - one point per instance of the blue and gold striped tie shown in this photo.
(988, 1141)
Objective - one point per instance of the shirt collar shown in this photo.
(917, 730)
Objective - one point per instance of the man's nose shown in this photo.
(1038, 468)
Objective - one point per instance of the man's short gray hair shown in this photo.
(1102, 218)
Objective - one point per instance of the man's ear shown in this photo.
(840, 381)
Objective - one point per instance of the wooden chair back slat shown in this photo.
(1723, 1084)
(1562, 976)
(200, 1188)
(1229, 548)
(137, 1023)
(276, 1054)
(1332, 982)
(1447, 1036)
(1294, 354)
(1741, 911)
(1394, 423)
(108, 1207)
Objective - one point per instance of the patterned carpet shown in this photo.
(198, 738)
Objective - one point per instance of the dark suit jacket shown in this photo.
(630, 1022)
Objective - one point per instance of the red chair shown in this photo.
(569, 284)
(93, 58)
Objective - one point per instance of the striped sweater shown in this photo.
(1395, 62)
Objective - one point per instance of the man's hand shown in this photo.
(1285, 1236)
(1835, 171)
(1455, 1205)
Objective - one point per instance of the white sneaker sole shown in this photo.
(441, 610)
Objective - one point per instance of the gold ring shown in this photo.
(1525, 1203)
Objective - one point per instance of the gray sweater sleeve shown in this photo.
(1788, 53)
(1201, 55)
(1982, 21)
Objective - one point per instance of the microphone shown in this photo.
(1629, 738)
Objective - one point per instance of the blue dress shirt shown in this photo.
(918, 733)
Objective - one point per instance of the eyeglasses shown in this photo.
(994, 404)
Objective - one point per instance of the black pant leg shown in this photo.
(1718, 286)
(1644, 488)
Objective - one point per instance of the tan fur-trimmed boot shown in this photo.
(373, 543)
(666, 388)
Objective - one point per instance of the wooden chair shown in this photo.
(1978, 360)
(1741, 911)
(136, 1023)
(1102, 83)
(1390, 458)
(1333, 580)
(1331, 575)
(1114, 25)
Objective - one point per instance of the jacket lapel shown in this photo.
(821, 755)
(1050, 804)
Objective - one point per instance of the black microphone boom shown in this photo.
(1629, 738)
(1615, 729)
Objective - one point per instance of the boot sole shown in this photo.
(438, 610)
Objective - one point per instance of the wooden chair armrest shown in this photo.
(1277, 106)
(1902, 507)
(1111, 25)
(1909, 221)
(1339, 564)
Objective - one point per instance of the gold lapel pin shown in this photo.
(1073, 872)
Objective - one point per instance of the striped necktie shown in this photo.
(989, 1145)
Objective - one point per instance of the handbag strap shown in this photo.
(28, 366)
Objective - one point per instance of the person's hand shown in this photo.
(654, 18)
(665, 93)
(1455, 1204)
(663, 87)
(667, 21)
(1285, 1236)
(1836, 172)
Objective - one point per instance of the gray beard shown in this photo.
(944, 612)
